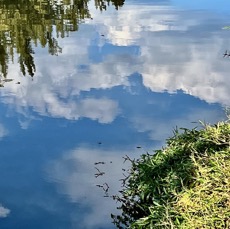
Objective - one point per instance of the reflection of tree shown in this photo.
(3, 60)
(32, 22)
(118, 3)
(53, 47)
(102, 4)
(26, 59)
(27, 23)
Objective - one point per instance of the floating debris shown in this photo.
(100, 162)
(3, 81)
(226, 54)
(100, 186)
(99, 173)
(7, 80)
(106, 187)
(127, 158)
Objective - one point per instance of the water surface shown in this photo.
(84, 82)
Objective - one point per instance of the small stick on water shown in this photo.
(99, 173)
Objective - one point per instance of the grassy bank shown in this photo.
(184, 185)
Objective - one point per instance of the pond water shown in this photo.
(84, 83)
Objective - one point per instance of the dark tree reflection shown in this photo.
(118, 3)
(27, 24)
(102, 4)
(26, 59)
(3, 60)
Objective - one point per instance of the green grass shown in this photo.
(185, 185)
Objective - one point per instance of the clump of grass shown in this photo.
(184, 185)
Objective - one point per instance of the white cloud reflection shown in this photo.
(4, 212)
(202, 74)
(57, 97)
(160, 129)
(172, 56)
(3, 131)
(73, 175)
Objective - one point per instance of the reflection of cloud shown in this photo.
(74, 177)
(103, 110)
(3, 131)
(4, 212)
(55, 91)
(56, 97)
(132, 21)
(174, 55)
(160, 129)
(199, 75)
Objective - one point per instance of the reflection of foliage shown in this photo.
(102, 4)
(54, 49)
(27, 23)
(3, 60)
(118, 3)
(24, 23)
(26, 59)
(185, 185)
